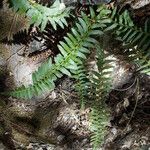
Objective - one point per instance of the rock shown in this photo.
(135, 4)
(40, 146)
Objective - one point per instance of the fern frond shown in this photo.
(143, 62)
(73, 50)
(101, 85)
(40, 15)
(127, 32)
(82, 84)
(99, 121)
(138, 38)
(132, 37)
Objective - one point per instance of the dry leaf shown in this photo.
(11, 22)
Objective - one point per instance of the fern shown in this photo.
(132, 37)
(101, 85)
(40, 15)
(143, 62)
(129, 34)
(73, 51)
(82, 84)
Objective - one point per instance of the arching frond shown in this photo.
(131, 35)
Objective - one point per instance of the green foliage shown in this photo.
(40, 15)
(143, 61)
(41, 83)
(82, 84)
(72, 51)
(135, 39)
(101, 85)
(129, 34)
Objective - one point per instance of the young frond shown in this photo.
(73, 51)
(40, 15)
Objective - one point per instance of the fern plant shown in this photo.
(80, 40)
(73, 49)
(101, 85)
(40, 15)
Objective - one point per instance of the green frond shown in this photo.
(138, 57)
(73, 50)
(132, 37)
(136, 37)
(40, 15)
(127, 32)
(82, 84)
(32, 90)
(143, 62)
(99, 122)
(101, 84)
